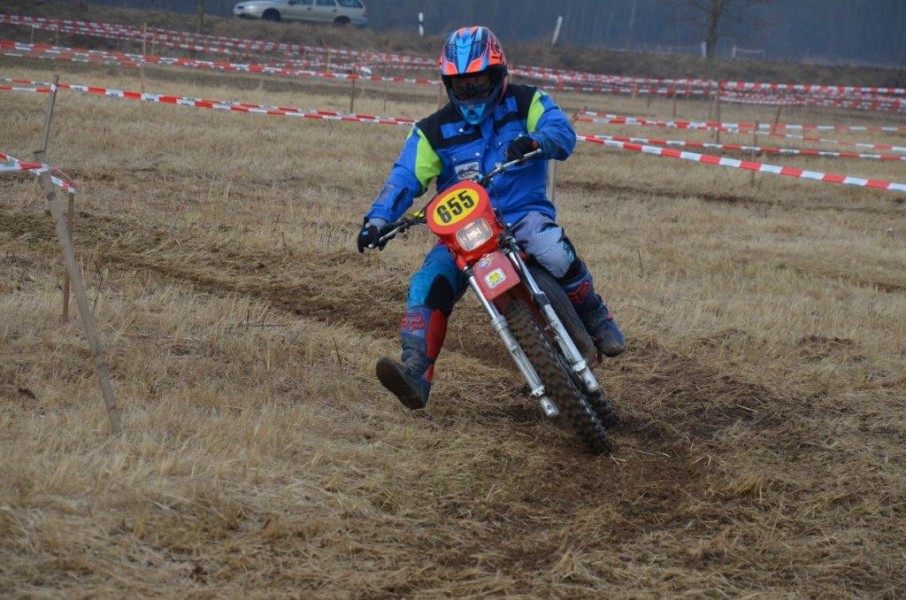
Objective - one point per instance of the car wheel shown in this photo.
(271, 15)
(341, 21)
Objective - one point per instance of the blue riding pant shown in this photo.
(439, 283)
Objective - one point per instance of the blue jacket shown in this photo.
(444, 146)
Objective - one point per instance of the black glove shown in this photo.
(520, 147)
(370, 236)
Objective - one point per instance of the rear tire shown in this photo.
(341, 21)
(581, 416)
(271, 15)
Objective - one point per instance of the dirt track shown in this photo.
(762, 450)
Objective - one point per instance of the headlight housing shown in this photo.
(474, 234)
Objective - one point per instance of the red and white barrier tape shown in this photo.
(810, 89)
(565, 75)
(749, 165)
(198, 42)
(594, 117)
(334, 115)
(23, 50)
(13, 88)
(231, 106)
(752, 149)
(16, 165)
(668, 92)
(867, 146)
(223, 44)
(872, 103)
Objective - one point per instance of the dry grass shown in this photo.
(763, 448)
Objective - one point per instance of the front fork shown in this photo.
(576, 361)
(498, 322)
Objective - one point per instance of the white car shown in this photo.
(338, 12)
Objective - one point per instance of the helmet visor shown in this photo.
(471, 87)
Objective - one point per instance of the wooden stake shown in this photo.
(70, 221)
(141, 65)
(711, 108)
(777, 116)
(674, 103)
(551, 175)
(48, 119)
(754, 143)
(717, 116)
(81, 299)
(551, 180)
(48, 113)
(352, 95)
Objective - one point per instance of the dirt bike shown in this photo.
(528, 309)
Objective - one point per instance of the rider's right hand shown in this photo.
(521, 146)
(370, 237)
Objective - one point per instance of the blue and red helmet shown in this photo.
(473, 67)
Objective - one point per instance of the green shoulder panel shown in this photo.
(536, 109)
(427, 162)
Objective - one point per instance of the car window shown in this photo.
(326, 3)
(349, 3)
(304, 2)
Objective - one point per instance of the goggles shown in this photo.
(471, 86)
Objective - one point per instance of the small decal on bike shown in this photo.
(495, 278)
(455, 206)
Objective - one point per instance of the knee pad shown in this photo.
(552, 250)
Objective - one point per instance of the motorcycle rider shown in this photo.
(487, 121)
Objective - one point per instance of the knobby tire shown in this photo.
(564, 309)
(580, 416)
(576, 330)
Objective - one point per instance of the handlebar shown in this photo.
(390, 231)
(483, 181)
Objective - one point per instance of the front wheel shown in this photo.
(271, 15)
(564, 309)
(557, 382)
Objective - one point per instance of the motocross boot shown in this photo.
(422, 334)
(598, 320)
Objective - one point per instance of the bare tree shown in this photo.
(715, 16)
(199, 9)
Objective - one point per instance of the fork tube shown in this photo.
(567, 345)
(498, 322)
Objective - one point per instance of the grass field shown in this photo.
(763, 391)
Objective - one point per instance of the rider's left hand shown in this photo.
(521, 146)
(370, 237)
